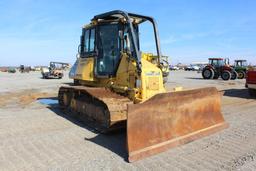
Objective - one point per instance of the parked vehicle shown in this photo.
(195, 68)
(173, 68)
(241, 67)
(188, 68)
(11, 70)
(192, 68)
(219, 67)
(24, 69)
(251, 82)
(4, 69)
(122, 87)
(54, 71)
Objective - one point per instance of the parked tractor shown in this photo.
(241, 67)
(219, 67)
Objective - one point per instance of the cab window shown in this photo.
(88, 42)
(92, 40)
(86, 38)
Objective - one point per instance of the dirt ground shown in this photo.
(37, 136)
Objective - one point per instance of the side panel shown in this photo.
(85, 68)
(149, 84)
(126, 73)
(72, 72)
(251, 77)
(151, 80)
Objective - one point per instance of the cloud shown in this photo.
(171, 39)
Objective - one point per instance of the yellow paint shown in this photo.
(149, 57)
(126, 72)
(85, 69)
(151, 80)
(127, 81)
(178, 89)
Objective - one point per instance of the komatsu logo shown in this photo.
(152, 73)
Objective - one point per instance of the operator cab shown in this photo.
(108, 36)
(241, 63)
(216, 62)
(104, 44)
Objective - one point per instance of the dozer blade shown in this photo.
(170, 119)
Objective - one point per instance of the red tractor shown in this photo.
(219, 67)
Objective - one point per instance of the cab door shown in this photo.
(108, 47)
(85, 66)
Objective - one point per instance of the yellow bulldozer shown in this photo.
(117, 86)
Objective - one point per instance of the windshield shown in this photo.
(241, 63)
(244, 63)
(216, 62)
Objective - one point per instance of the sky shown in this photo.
(35, 32)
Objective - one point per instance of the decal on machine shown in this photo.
(152, 73)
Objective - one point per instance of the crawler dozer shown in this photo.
(117, 86)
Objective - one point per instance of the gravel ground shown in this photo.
(35, 136)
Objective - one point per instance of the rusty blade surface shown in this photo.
(171, 119)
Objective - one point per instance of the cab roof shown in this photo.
(240, 60)
(118, 14)
(215, 58)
